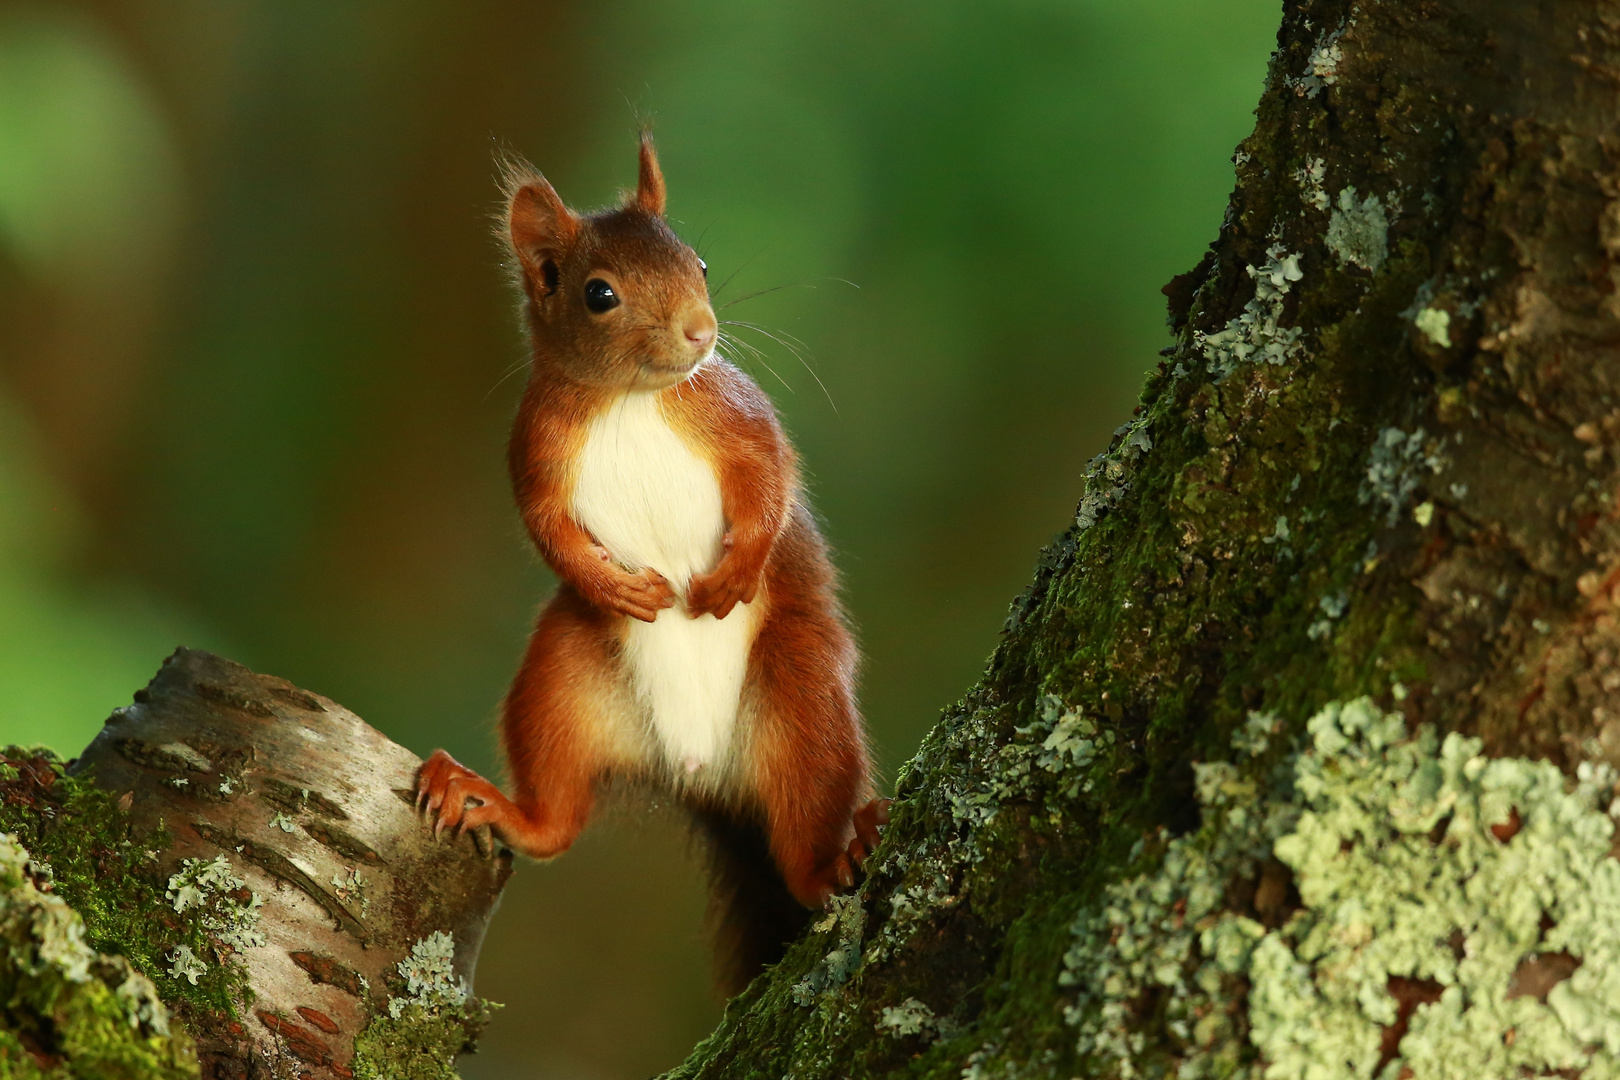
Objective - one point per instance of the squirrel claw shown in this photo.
(846, 873)
(445, 787)
(720, 590)
(867, 821)
(641, 595)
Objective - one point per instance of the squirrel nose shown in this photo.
(699, 330)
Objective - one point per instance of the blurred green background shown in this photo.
(257, 355)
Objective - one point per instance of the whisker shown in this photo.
(794, 346)
(766, 292)
(777, 336)
(511, 371)
(715, 294)
(789, 285)
(758, 356)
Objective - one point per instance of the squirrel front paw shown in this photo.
(640, 594)
(723, 588)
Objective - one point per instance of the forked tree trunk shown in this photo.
(1380, 460)
(312, 810)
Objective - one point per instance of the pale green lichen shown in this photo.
(1358, 231)
(1309, 177)
(103, 869)
(350, 886)
(1056, 751)
(1321, 67)
(432, 1018)
(1046, 763)
(187, 965)
(910, 1017)
(1254, 737)
(1435, 324)
(228, 912)
(1418, 863)
(82, 1014)
(847, 917)
(1395, 467)
(429, 975)
(1333, 606)
(1108, 474)
(1257, 334)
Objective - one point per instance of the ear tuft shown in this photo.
(650, 185)
(539, 228)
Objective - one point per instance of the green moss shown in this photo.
(106, 873)
(1450, 914)
(431, 1018)
(67, 1011)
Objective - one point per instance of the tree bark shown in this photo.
(311, 811)
(1378, 462)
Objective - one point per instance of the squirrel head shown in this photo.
(614, 298)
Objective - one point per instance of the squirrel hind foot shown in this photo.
(454, 797)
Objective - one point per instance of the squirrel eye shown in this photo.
(599, 296)
(703, 266)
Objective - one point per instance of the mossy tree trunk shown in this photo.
(286, 898)
(1380, 461)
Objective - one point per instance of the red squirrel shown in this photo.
(696, 641)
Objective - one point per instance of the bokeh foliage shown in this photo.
(256, 353)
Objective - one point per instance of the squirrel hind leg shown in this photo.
(753, 917)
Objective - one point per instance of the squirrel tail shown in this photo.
(753, 917)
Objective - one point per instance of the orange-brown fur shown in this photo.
(788, 824)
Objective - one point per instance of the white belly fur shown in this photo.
(646, 497)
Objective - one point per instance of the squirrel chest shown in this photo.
(651, 501)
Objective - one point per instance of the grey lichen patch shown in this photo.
(431, 1018)
(846, 918)
(1332, 607)
(66, 1010)
(1358, 231)
(1395, 467)
(1256, 333)
(350, 886)
(187, 965)
(925, 892)
(1054, 755)
(225, 908)
(1321, 67)
(913, 1017)
(429, 976)
(1108, 474)
(1469, 897)
(1310, 178)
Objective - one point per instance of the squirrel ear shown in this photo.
(650, 186)
(540, 228)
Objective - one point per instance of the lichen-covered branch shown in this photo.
(246, 858)
(1374, 482)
